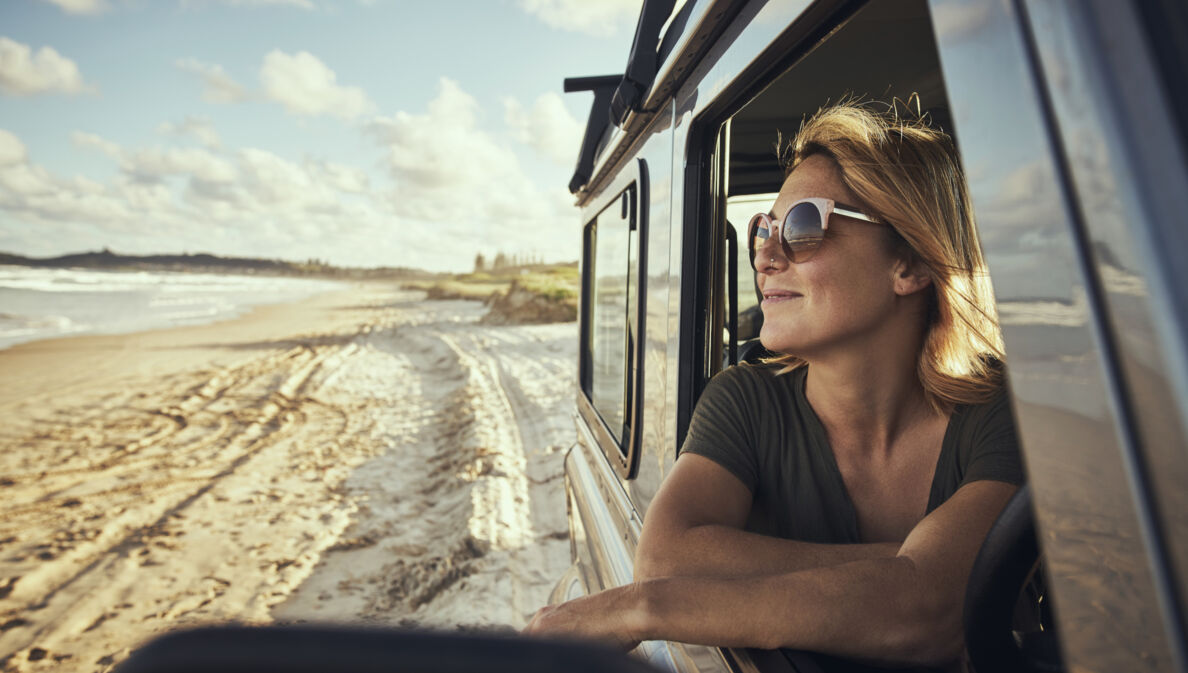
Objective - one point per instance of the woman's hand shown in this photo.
(614, 617)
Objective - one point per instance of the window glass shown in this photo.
(610, 318)
(739, 210)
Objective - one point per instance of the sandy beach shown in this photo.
(362, 455)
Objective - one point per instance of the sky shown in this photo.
(357, 132)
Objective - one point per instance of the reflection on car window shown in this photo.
(610, 238)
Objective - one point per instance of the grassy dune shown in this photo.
(523, 294)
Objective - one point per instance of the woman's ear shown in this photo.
(910, 276)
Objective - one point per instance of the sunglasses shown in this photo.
(801, 230)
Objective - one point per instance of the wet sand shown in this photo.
(360, 456)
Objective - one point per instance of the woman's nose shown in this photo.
(770, 255)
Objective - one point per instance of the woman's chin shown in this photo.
(773, 341)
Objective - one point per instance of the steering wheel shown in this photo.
(1006, 588)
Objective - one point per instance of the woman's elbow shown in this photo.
(651, 562)
(658, 555)
(930, 632)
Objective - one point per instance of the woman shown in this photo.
(834, 498)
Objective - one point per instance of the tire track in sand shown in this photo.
(403, 474)
(449, 535)
(68, 579)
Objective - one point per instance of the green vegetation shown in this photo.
(560, 283)
(533, 289)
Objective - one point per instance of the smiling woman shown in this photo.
(907, 175)
(834, 497)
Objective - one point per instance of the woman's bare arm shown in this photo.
(693, 527)
(905, 609)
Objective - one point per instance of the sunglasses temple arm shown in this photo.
(847, 212)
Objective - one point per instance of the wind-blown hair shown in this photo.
(908, 175)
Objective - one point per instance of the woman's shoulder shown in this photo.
(753, 385)
(760, 375)
(992, 420)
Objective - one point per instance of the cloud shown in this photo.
(600, 19)
(23, 73)
(157, 163)
(154, 164)
(306, 86)
(470, 190)
(81, 6)
(12, 150)
(343, 178)
(218, 86)
(169, 199)
(105, 146)
(452, 188)
(546, 127)
(32, 193)
(197, 127)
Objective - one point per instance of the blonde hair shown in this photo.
(908, 175)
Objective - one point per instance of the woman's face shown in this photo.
(844, 293)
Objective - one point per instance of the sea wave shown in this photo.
(45, 303)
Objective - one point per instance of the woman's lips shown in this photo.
(771, 297)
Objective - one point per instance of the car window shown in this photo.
(609, 240)
(907, 76)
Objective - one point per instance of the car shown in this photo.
(1071, 119)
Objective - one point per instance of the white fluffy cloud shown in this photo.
(546, 127)
(154, 164)
(453, 188)
(12, 150)
(601, 18)
(32, 193)
(196, 127)
(470, 190)
(306, 86)
(218, 86)
(80, 6)
(25, 73)
(168, 199)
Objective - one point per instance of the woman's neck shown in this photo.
(870, 394)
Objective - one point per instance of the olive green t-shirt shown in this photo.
(760, 427)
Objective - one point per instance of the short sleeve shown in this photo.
(993, 444)
(723, 427)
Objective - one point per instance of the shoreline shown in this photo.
(44, 366)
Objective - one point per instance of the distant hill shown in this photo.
(202, 262)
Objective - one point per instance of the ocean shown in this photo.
(46, 303)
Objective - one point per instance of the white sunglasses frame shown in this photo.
(825, 207)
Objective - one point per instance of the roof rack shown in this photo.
(642, 61)
(616, 96)
(597, 124)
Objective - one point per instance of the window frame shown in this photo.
(632, 183)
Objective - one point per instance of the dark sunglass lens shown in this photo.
(802, 224)
(802, 231)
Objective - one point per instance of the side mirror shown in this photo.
(321, 649)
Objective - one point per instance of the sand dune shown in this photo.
(363, 456)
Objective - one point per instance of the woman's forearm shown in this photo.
(723, 551)
(879, 610)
